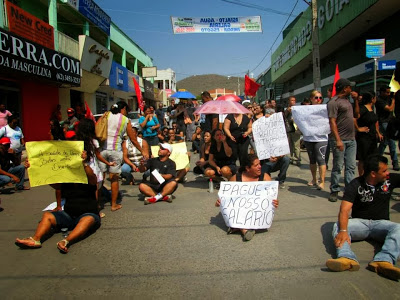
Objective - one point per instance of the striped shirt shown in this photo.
(116, 129)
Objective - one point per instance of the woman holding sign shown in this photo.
(249, 171)
(316, 147)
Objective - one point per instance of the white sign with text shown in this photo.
(270, 136)
(312, 120)
(248, 205)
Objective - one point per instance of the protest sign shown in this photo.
(270, 136)
(312, 120)
(55, 162)
(179, 154)
(248, 205)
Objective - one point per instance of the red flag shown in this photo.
(337, 77)
(89, 114)
(138, 94)
(250, 86)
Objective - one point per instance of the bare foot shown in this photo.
(116, 207)
(28, 243)
(321, 186)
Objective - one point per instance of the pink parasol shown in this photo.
(229, 97)
(221, 107)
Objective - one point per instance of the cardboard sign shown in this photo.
(312, 120)
(270, 136)
(248, 205)
(179, 154)
(55, 162)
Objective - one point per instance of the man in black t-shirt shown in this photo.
(212, 120)
(162, 176)
(367, 198)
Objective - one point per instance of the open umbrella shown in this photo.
(229, 97)
(183, 94)
(221, 107)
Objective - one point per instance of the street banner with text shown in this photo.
(270, 136)
(216, 24)
(312, 119)
(248, 205)
(55, 162)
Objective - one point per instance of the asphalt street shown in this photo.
(180, 250)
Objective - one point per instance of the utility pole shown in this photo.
(315, 47)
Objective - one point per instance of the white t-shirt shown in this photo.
(94, 163)
(15, 135)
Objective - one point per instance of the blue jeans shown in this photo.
(386, 141)
(18, 171)
(348, 157)
(382, 231)
(126, 168)
(281, 165)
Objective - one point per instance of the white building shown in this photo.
(166, 83)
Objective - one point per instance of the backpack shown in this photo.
(102, 126)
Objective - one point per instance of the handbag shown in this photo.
(102, 126)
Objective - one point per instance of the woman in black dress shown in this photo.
(237, 128)
(368, 133)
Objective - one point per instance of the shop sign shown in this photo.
(131, 86)
(95, 58)
(149, 72)
(25, 57)
(93, 13)
(28, 26)
(387, 64)
(230, 24)
(118, 78)
(148, 90)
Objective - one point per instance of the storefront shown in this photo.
(30, 78)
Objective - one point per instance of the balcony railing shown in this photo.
(68, 45)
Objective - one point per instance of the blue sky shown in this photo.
(148, 24)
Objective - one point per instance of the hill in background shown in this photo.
(199, 83)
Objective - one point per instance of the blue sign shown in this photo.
(369, 67)
(375, 48)
(95, 14)
(119, 77)
(387, 65)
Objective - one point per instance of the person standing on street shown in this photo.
(385, 106)
(4, 114)
(160, 115)
(342, 138)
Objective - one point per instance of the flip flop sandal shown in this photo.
(65, 248)
(24, 245)
(249, 235)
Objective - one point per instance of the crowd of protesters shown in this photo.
(226, 151)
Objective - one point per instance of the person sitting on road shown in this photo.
(181, 173)
(10, 172)
(249, 171)
(80, 214)
(203, 163)
(132, 157)
(196, 138)
(160, 188)
(274, 164)
(222, 161)
(367, 198)
(163, 135)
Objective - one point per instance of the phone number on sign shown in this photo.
(185, 29)
(68, 78)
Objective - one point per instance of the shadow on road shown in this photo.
(326, 232)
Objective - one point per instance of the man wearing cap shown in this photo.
(71, 120)
(342, 137)
(162, 179)
(8, 172)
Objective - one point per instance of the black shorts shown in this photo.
(157, 188)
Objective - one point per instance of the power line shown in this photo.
(283, 27)
(250, 5)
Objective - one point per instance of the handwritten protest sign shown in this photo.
(311, 119)
(179, 154)
(55, 162)
(270, 136)
(248, 204)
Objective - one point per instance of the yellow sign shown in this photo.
(55, 162)
(179, 154)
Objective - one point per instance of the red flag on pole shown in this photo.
(138, 94)
(89, 114)
(250, 86)
(337, 77)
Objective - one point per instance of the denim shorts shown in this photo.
(64, 220)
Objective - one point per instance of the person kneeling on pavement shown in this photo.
(162, 176)
(368, 199)
(80, 212)
(274, 164)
